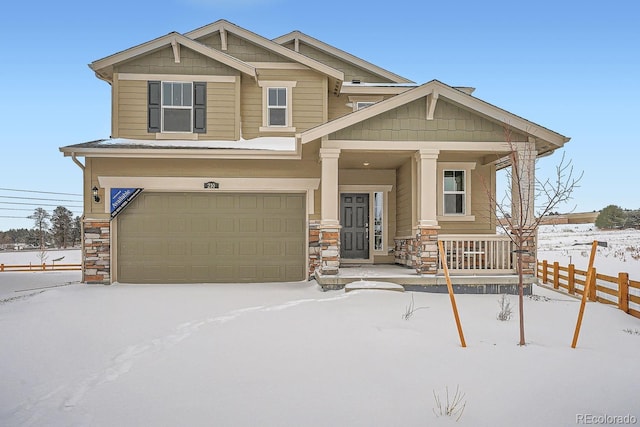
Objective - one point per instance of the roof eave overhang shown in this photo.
(338, 53)
(267, 44)
(180, 153)
(437, 88)
(161, 42)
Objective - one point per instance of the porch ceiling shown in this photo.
(375, 159)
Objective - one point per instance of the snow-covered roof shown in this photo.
(260, 143)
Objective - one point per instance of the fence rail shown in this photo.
(620, 291)
(40, 267)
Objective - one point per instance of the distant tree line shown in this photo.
(614, 216)
(58, 229)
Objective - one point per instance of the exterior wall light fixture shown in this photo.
(94, 192)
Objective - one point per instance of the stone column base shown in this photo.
(329, 238)
(96, 245)
(426, 250)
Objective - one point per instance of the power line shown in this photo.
(38, 198)
(19, 217)
(38, 204)
(41, 192)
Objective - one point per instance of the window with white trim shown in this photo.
(277, 106)
(363, 104)
(177, 106)
(454, 193)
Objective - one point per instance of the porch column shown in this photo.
(329, 236)
(523, 183)
(426, 240)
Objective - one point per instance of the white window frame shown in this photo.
(164, 107)
(357, 101)
(272, 84)
(466, 168)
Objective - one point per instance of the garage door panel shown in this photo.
(191, 238)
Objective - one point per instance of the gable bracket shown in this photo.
(296, 44)
(176, 51)
(223, 38)
(432, 99)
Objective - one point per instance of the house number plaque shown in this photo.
(211, 184)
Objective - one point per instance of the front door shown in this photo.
(354, 219)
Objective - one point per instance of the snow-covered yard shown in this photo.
(286, 354)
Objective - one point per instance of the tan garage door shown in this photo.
(212, 238)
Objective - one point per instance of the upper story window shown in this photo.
(277, 106)
(177, 107)
(363, 104)
(454, 192)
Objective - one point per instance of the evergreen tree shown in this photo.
(40, 219)
(611, 217)
(62, 226)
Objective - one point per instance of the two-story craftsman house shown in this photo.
(235, 158)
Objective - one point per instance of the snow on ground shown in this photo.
(571, 243)
(69, 256)
(285, 354)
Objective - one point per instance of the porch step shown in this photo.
(369, 284)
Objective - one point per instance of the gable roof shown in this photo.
(437, 88)
(224, 25)
(298, 36)
(167, 40)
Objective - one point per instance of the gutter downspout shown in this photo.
(76, 161)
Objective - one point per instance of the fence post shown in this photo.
(544, 271)
(556, 275)
(623, 292)
(44, 266)
(1, 267)
(572, 279)
(593, 292)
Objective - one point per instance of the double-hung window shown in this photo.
(177, 106)
(454, 192)
(277, 106)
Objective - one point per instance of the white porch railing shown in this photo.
(478, 253)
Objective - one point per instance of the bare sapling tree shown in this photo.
(525, 203)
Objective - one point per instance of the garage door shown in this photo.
(212, 238)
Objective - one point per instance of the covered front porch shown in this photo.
(479, 265)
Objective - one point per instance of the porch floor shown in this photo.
(412, 281)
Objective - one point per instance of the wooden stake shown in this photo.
(443, 258)
(585, 293)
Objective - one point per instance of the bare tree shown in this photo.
(526, 202)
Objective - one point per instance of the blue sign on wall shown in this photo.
(121, 197)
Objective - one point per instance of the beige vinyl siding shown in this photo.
(308, 101)
(163, 62)
(242, 49)
(132, 111)
(350, 71)
(409, 123)
(338, 104)
(482, 180)
(404, 200)
(221, 111)
(309, 168)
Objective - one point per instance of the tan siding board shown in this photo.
(451, 123)
(162, 62)
(404, 203)
(242, 49)
(350, 71)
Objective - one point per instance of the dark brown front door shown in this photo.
(354, 209)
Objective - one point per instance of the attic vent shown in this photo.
(355, 81)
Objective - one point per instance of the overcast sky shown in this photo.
(572, 67)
